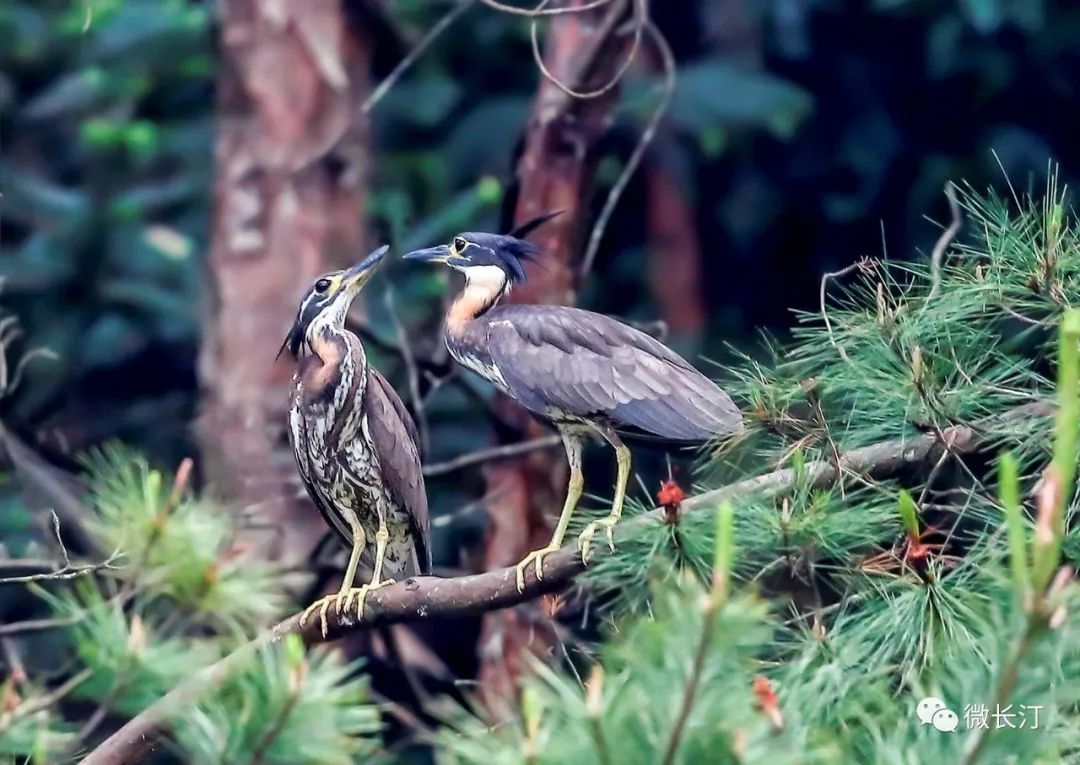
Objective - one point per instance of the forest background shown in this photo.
(174, 174)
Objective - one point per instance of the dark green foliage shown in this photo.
(877, 594)
(287, 708)
(179, 599)
(106, 116)
(796, 143)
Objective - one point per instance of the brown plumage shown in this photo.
(355, 444)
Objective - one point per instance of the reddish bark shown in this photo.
(288, 200)
(674, 258)
(555, 173)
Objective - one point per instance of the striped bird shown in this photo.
(585, 373)
(355, 444)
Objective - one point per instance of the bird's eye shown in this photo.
(460, 244)
(322, 285)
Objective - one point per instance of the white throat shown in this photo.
(488, 282)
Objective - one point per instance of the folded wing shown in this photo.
(556, 359)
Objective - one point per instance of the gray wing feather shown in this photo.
(395, 440)
(586, 364)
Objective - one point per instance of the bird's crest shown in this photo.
(293, 342)
(531, 225)
(515, 248)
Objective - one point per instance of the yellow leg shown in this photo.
(572, 444)
(382, 537)
(622, 455)
(322, 605)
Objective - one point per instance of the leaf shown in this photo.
(28, 196)
(425, 102)
(72, 93)
(716, 93)
(110, 340)
(483, 139)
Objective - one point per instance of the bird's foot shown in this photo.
(586, 537)
(322, 605)
(360, 594)
(536, 557)
(341, 601)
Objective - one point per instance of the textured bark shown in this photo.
(554, 173)
(288, 205)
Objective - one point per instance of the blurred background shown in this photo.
(176, 173)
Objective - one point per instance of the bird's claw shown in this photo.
(341, 601)
(586, 536)
(537, 557)
(322, 605)
(360, 594)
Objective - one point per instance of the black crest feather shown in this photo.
(515, 248)
(531, 225)
(293, 341)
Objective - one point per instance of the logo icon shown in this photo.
(933, 711)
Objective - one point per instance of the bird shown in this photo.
(355, 443)
(585, 373)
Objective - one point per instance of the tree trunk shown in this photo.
(554, 173)
(288, 205)
(675, 274)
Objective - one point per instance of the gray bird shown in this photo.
(354, 442)
(584, 372)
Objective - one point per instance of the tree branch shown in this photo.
(424, 598)
(490, 455)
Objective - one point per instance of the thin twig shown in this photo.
(20, 366)
(587, 58)
(38, 703)
(1006, 684)
(176, 493)
(825, 313)
(417, 51)
(412, 373)
(67, 572)
(646, 139)
(424, 598)
(697, 669)
(542, 10)
(60, 539)
(641, 19)
(937, 256)
(31, 564)
(490, 455)
(97, 716)
(276, 728)
(37, 625)
(13, 660)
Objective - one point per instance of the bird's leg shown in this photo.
(382, 537)
(341, 598)
(622, 455)
(572, 444)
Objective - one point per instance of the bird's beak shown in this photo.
(438, 254)
(357, 276)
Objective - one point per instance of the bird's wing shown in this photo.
(395, 440)
(558, 359)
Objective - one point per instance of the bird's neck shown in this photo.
(341, 355)
(481, 294)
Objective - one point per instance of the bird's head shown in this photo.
(327, 302)
(495, 259)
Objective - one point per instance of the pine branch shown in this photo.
(424, 598)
